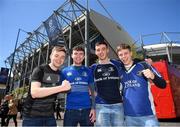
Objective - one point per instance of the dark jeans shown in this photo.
(73, 117)
(39, 121)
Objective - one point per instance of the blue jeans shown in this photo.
(143, 121)
(109, 114)
(72, 117)
(39, 121)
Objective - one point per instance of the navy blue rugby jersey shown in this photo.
(107, 82)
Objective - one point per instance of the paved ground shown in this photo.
(60, 123)
(11, 123)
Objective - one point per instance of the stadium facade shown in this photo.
(71, 24)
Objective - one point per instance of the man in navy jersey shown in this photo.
(39, 105)
(79, 104)
(109, 107)
(137, 98)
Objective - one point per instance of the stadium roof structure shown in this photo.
(71, 24)
(165, 45)
(99, 25)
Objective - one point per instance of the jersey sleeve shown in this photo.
(119, 65)
(62, 75)
(92, 68)
(91, 79)
(37, 75)
(158, 79)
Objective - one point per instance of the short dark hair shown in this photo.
(101, 43)
(78, 48)
(123, 46)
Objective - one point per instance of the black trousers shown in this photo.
(3, 118)
(14, 119)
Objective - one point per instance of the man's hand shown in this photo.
(92, 115)
(66, 85)
(148, 74)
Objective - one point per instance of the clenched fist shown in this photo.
(66, 85)
(148, 74)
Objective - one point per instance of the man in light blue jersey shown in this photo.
(79, 104)
(137, 98)
(109, 107)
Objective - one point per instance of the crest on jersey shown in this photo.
(121, 77)
(84, 74)
(110, 69)
(140, 73)
(99, 70)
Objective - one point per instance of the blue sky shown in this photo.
(138, 17)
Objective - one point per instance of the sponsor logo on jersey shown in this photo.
(106, 74)
(132, 83)
(78, 78)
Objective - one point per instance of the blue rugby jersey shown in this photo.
(107, 83)
(80, 78)
(137, 96)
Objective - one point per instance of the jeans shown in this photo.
(143, 121)
(109, 114)
(39, 121)
(72, 117)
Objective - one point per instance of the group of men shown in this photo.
(109, 93)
